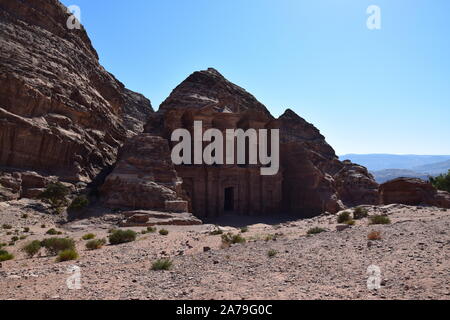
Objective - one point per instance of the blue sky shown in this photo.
(368, 91)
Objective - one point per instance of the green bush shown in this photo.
(163, 232)
(24, 216)
(441, 182)
(343, 217)
(228, 239)
(56, 245)
(79, 203)
(7, 226)
(162, 264)
(360, 213)
(95, 244)
(244, 229)
(26, 229)
(379, 219)
(151, 229)
(15, 238)
(55, 194)
(88, 236)
(52, 232)
(272, 253)
(316, 230)
(122, 236)
(350, 222)
(32, 248)
(5, 255)
(66, 255)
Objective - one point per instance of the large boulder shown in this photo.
(356, 185)
(413, 191)
(61, 112)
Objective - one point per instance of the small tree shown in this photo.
(79, 203)
(441, 182)
(55, 194)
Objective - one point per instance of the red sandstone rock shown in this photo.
(63, 115)
(24, 184)
(412, 191)
(144, 177)
(61, 112)
(143, 218)
(311, 179)
(356, 185)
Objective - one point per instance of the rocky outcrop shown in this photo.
(412, 191)
(23, 184)
(144, 218)
(144, 177)
(61, 112)
(355, 185)
(316, 181)
(209, 87)
(311, 179)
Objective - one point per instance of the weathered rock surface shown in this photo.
(22, 184)
(356, 185)
(412, 191)
(311, 179)
(144, 177)
(61, 112)
(144, 218)
(209, 87)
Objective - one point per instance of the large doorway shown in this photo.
(229, 199)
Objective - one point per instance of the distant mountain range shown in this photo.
(386, 167)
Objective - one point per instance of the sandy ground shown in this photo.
(413, 257)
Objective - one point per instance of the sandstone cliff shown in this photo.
(61, 112)
(311, 179)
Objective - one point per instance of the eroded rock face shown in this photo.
(144, 177)
(61, 112)
(356, 185)
(210, 88)
(316, 181)
(311, 179)
(23, 184)
(412, 191)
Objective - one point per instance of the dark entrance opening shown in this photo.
(229, 199)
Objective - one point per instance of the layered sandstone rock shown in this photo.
(311, 179)
(23, 184)
(145, 218)
(209, 87)
(356, 185)
(61, 112)
(144, 177)
(412, 191)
